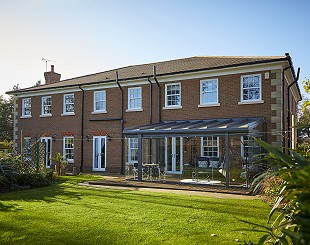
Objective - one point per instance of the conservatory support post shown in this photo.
(140, 157)
(227, 158)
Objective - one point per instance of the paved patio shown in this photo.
(119, 182)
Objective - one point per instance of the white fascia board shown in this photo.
(50, 91)
(160, 78)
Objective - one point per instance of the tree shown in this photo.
(304, 116)
(6, 118)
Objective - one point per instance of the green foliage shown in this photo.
(9, 170)
(270, 187)
(6, 118)
(291, 211)
(61, 162)
(14, 172)
(33, 180)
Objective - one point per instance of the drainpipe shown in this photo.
(82, 129)
(122, 121)
(283, 94)
(288, 106)
(151, 99)
(159, 95)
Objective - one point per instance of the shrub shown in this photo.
(14, 172)
(270, 188)
(292, 206)
(33, 180)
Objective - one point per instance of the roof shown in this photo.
(244, 125)
(197, 63)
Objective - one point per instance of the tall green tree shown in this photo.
(6, 118)
(304, 116)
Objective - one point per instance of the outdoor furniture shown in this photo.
(201, 175)
(151, 171)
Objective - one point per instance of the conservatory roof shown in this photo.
(244, 125)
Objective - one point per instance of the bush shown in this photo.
(33, 180)
(270, 188)
(14, 172)
(291, 210)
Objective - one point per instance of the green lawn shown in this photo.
(65, 213)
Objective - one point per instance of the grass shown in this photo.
(65, 213)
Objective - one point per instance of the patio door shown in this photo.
(174, 155)
(48, 150)
(99, 153)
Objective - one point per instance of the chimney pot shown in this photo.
(51, 76)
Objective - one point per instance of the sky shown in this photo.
(81, 37)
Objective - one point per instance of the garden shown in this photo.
(65, 213)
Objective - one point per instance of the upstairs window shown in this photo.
(209, 92)
(251, 88)
(135, 98)
(46, 105)
(173, 95)
(68, 148)
(210, 146)
(68, 104)
(100, 101)
(26, 107)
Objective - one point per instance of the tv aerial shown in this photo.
(47, 60)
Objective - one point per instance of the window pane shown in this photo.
(209, 92)
(251, 87)
(134, 98)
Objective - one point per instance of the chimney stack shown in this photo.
(51, 76)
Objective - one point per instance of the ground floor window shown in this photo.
(132, 150)
(210, 146)
(249, 148)
(68, 148)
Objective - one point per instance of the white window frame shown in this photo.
(136, 108)
(213, 103)
(130, 160)
(42, 106)
(166, 97)
(259, 100)
(104, 110)
(65, 112)
(243, 142)
(65, 149)
(203, 146)
(24, 115)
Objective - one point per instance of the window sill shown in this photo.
(26, 116)
(98, 112)
(250, 102)
(172, 107)
(134, 110)
(70, 161)
(46, 115)
(209, 105)
(67, 114)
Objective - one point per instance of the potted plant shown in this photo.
(61, 163)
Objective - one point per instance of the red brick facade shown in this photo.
(109, 124)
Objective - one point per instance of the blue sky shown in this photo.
(88, 36)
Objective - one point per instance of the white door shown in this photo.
(99, 153)
(174, 155)
(48, 150)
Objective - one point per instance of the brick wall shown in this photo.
(109, 123)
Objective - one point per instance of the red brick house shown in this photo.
(178, 115)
